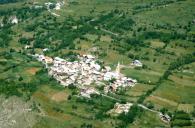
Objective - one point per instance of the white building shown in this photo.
(27, 46)
(48, 4)
(58, 6)
(120, 108)
(164, 117)
(58, 59)
(1, 24)
(107, 68)
(40, 57)
(86, 92)
(45, 49)
(14, 20)
(137, 63)
(84, 72)
(110, 75)
(38, 6)
(48, 60)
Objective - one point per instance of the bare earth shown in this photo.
(60, 96)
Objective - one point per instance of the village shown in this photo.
(84, 72)
(97, 63)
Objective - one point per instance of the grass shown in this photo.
(167, 14)
(179, 47)
(69, 116)
(183, 78)
(91, 37)
(113, 58)
(177, 92)
(160, 103)
(186, 107)
(138, 89)
(25, 69)
(173, 96)
(142, 75)
(105, 39)
(157, 44)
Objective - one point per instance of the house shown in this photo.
(86, 92)
(89, 57)
(110, 75)
(27, 46)
(74, 27)
(97, 67)
(40, 57)
(137, 63)
(48, 60)
(54, 14)
(85, 72)
(45, 49)
(14, 20)
(87, 81)
(110, 88)
(107, 68)
(1, 24)
(38, 6)
(165, 118)
(120, 108)
(131, 80)
(58, 6)
(48, 4)
(193, 21)
(58, 59)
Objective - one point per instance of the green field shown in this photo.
(161, 34)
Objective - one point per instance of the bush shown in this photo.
(20, 78)
(23, 40)
(69, 97)
(135, 42)
(131, 55)
(131, 115)
(181, 123)
(150, 105)
(181, 119)
(182, 115)
(72, 86)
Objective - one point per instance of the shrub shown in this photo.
(181, 123)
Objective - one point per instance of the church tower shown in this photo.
(118, 68)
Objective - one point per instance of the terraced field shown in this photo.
(160, 34)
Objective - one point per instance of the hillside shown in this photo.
(146, 49)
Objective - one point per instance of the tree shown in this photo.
(74, 106)
(23, 40)
(150, 105)
(181, 119)
(112, 80)
(163, 110)
(129, 117)
(69, 97)
(20, 78)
